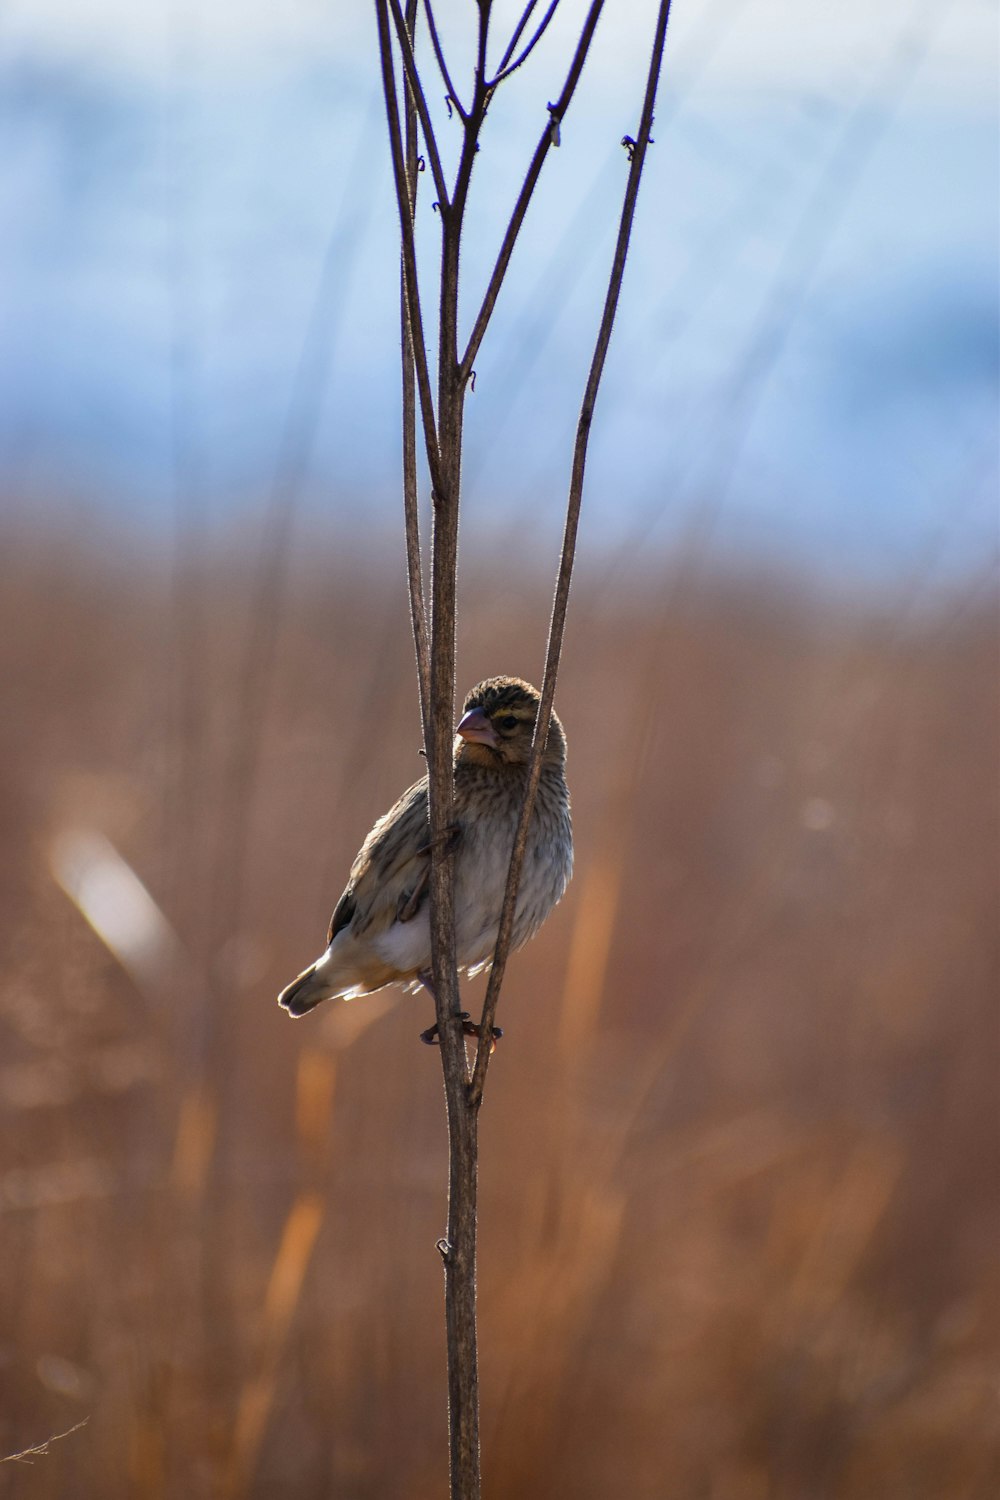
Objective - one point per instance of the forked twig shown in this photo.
(561, 600)
(525, 17)
(548, 138)
(506, 66)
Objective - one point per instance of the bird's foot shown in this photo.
(469, 1027)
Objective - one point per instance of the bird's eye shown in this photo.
(509, 721)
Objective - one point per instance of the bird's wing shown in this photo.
(342, 914)
(388, 866)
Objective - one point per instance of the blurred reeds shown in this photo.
(739, 1191)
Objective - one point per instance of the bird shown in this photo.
(379, 933)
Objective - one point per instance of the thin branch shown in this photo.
(467, 160)
(411, 513)
(444, 568)
(540, 31)
(458, 1247)
(485, 7)
(518, 29)
(561, 600)
(436, 44)
(408, 245)
(416, 92)
(40, 1450)
(557, 112)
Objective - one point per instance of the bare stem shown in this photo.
(507, 67)
(416, 94)
(411, 512)
(459, 1244)
(549, 137)
(408, 244)
(442, 64)
(561, 600)
(41, 1450)
(525, 17)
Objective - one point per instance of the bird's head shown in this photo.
(497, 725)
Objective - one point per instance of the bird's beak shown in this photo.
(477, 728)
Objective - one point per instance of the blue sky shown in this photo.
(807, 343)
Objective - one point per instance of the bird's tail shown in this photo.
(306, 991)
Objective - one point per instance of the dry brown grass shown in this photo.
(739, 1152)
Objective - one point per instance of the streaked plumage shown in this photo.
(380, 930)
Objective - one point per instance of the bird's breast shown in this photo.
(483, 861)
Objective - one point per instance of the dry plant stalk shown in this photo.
(442, 423)
(40, 1450)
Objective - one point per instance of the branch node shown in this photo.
(629, 145)
(444, 1248)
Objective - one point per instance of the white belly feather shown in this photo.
(481, 866)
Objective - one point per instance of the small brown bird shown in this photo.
(380, 930)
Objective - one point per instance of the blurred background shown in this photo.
(739, 1150)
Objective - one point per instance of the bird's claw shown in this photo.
(432, 1036)
(470, 1027)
